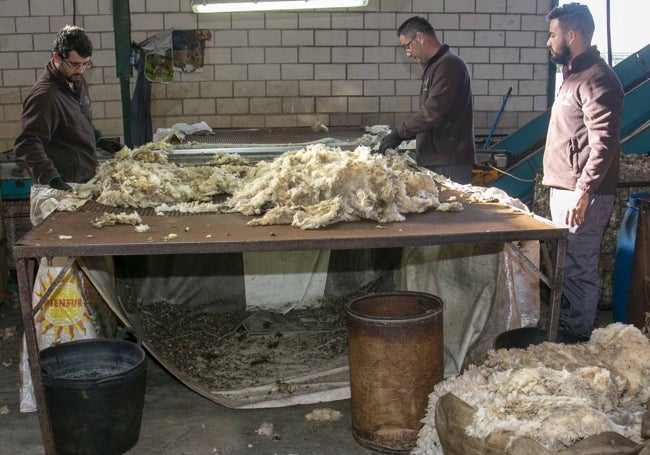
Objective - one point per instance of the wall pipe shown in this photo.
(124, 71)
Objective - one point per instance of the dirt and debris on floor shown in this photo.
(238, 349)
(10, 329)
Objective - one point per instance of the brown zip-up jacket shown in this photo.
(57, 136)
(444, 124)
(583, 143)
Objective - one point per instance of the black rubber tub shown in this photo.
(526, 336)
(94, 391)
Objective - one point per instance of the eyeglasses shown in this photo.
(76, 66)
(407, 45)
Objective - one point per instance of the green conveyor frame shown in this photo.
(526, 144)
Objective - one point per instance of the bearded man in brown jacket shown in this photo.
(582, 157)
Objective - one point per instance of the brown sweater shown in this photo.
(583, 145)
(444, 124)
(57, 137)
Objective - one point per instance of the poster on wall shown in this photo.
(189, 48)
(158, 65)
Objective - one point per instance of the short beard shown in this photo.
(563, 55)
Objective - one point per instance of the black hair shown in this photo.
(416, 24)
(72, 38)
(574, 16)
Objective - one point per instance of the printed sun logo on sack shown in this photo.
(64, 310)
(64, 316)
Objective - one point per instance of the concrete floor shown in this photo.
(177, 421)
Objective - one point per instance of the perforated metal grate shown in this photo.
(275, 136)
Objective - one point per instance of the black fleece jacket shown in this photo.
(444, 124)
(57, 136)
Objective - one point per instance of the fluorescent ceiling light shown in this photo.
(230, 6)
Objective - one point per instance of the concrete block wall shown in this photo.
(339, 67)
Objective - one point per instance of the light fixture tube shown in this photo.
(230, 6)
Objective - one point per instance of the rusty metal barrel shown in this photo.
(395, 349)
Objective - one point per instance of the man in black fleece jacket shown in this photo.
(57, 138)
(444, 123)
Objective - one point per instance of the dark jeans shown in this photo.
(581, 287)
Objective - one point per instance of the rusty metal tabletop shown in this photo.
(72, 233)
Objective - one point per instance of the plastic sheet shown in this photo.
(485, 288)
(625, 245)
(638, 311)
(44, 200)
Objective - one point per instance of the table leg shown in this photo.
(25, 285)
(556, 290)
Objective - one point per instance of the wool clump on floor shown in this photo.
(553, 393)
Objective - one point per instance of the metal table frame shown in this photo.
(72, 235)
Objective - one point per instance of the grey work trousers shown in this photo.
(581, 287)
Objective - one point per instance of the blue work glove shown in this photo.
(390, 141)
(110, 145)
(58, 184)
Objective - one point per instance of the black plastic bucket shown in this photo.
(94, 391)
(395, 349)
(523, 337)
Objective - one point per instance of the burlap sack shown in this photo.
(453, 415)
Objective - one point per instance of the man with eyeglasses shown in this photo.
(444, 124)
(57, 137)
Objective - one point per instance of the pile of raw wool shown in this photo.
(553, 393)
(144, 177)
(319, 185)
(309, 188)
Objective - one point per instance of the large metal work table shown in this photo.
(228, 233)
